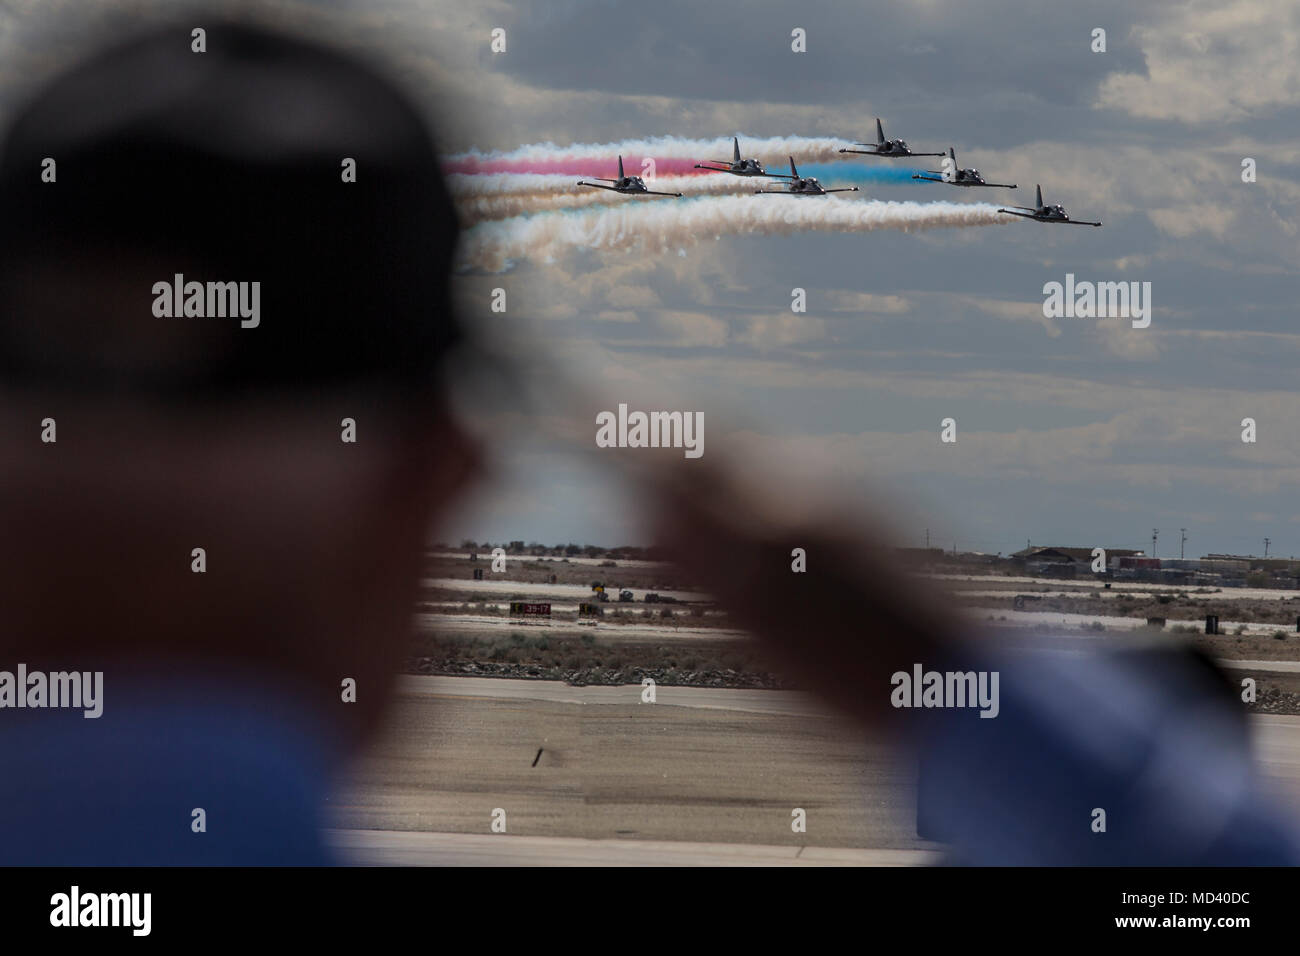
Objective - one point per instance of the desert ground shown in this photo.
(465, 628)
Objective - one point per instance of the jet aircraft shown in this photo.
(628, 185)
(738, 166)
(804, 186)
(883, 147)
(958, 176)
(1053, 213)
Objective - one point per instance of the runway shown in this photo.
(395, 848)
(593, 776)
(1277, 749)
(788, 702)
(701, 765)
(1277, 667)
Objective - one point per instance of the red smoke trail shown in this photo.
(571, 166)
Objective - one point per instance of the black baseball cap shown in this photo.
(226, 165)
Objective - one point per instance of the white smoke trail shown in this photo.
(504, 200)
(676, 223)
(533, 184)
(506, 184)
(777, 148)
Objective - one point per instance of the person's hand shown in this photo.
(841, 627)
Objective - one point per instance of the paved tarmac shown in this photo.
(593, 776)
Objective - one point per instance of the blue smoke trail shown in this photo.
(856, 174)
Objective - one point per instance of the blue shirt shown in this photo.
(1155, 740)
(121, 789)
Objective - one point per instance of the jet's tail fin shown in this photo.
(793, 172)
(880, 133)
(1039, 195)
(735, 149)
(952, 154)
(620, 168)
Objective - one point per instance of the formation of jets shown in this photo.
(796, 185)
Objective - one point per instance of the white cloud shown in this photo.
(1210, 61)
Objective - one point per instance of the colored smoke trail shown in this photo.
(606, 166)
(677, 223)
(501, 184)
(673, 155)
(860, 174)
(505, 195)
(464, 187)
(504, 204)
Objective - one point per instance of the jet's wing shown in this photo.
(930, 179)
(995, 185)
(726, 167)
(1078, 222)
(598, 185)
(927, 154)
(651, 192)
(846, 189)
(862, 152)
(773, 192)
(1022, 215)
(1028, 208)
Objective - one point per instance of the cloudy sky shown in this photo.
(1070, 431)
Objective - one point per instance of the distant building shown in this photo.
(1066, 562)
(1227, 563)
(1281, 567)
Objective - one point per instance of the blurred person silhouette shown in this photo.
(223, 688)
(223, 671)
